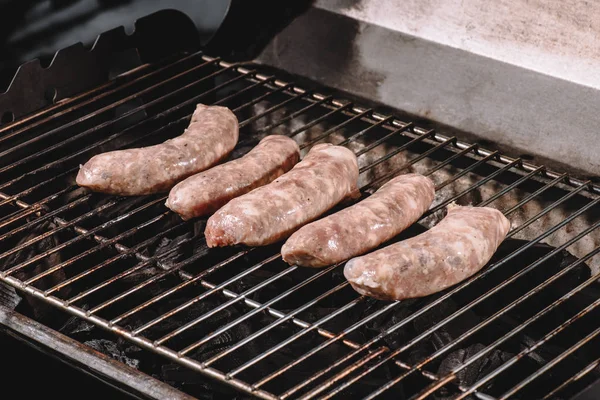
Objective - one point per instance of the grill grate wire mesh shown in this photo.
(98, 260)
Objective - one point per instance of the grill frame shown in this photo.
(395, 126)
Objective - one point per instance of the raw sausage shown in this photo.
(363, 226)
(453, 250)
(212, 134)
(206, 192)
(326, 176)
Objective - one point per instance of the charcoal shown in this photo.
(42, 311)
(9, 297)
(114, 351)
(475, 371)
(77, 326)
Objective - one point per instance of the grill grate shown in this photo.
(133, 268)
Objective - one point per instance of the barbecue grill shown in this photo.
(128, 278)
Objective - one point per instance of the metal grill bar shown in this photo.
(173, 290)
(397, 150)
(277, 322)
(413, 161)
(283, 295)
(478, 184)
(75, 239)
(332, 130)
(538, 192)
(547, 337)
(555, 361)
(295, 114)
(117, 257)
(230, 302)
(589, 368)
(512, 186)
(103, 245)
(269, 90)
(321, 119)
(322, 346)
(294, 337)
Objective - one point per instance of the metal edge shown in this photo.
(523, 111)
(89, 361)
(74, 69)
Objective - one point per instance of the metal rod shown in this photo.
(294, 115)
(546, 211)
(475, 186)
(544, 340)
(535, 194)
(212, 312)
(77, 238)
(142, 342)
(331, 130)
(397, 150)
(121, 255)
(292, 338)
(244, 317)
(405, 128)
(318, 120)
(553, 363)
(318, 348)
(272, 109)
(356, 365)
(449, 160)
(411, 162)
(276, 323)
(175, 289)
(589, 368)
(512, 186)
(95, 249)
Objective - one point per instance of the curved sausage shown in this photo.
(363, 226)
(326, 176)
(453, 250)
(206, 192)
(212, 134)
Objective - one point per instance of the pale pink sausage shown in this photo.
(326, 176)
(453, 250)
(206, 192)
(212, 134)
(362, 227)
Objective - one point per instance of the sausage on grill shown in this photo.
(326, 176)
(212, 134)
(206, 192)
(363, 226)
(453, 250)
